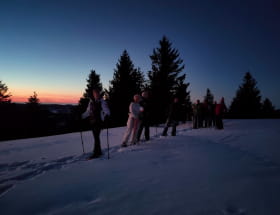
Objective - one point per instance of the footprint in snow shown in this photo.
(231, 210)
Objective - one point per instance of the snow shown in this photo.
(200, 171)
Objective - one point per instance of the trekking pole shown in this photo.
(156, 129)
(82, 142)
(81, 133)
(108, 146)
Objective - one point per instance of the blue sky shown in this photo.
(51, 46)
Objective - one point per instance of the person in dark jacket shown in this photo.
(145, 116)
(197, 114)
(97, 111)
(173, 117)
(219, 112)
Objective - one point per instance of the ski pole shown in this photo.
(156, 129)
(81, 134)
(108, 142)
(82, 142)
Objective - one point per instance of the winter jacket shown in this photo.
(145, 115)
(220, 109)
(97, 110)
(134, 110)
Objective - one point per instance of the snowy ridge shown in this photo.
(235, 171)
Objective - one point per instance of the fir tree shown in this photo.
(247, 102)
(184, 97)
(165, 78)
(267, 107)
(33, 100)
(209, 98)
(93, 82)
(127, 81)
(4, 95)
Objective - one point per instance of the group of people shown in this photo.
(139, 118)
(206, 115)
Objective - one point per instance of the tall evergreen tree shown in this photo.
(247, 102)
(267, 107)
(180, 90)
(209, 97)
(165, 78)
(93, 82)
(4, 95)
(127, 81)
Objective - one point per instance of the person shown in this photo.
(133, 121)
(220, 109)
(197, 112)
(144, 117)
(173, 117)
(97, 111)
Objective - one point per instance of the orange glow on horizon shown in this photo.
(48, 98)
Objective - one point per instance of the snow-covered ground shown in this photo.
(198, 172)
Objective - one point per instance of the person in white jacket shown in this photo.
(97, 111)
(133, 121)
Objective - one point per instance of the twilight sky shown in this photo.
(50, 46)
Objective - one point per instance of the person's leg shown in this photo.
(97, 147)
(173, 132)
(141, 126)
(218, 122)
(164, 133)
(221, 123)
(128, 131)
(135, 130)
(147, 132)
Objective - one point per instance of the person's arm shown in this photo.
(87, 112)
(134, 110)
(105, 110)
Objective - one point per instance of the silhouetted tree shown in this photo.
(247, 102)
(7, 112)
(4, 95)
(127, 81)
(209, 97)
(165, 78)
(267, 108)
(93, 82)
(33, 100)
(33, 126)
(184, 97)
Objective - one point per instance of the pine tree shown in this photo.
(33, 99)
(165, 78)
(93, 82)
(247, 102)
(184, 97)
(209, 98)
(127, 81)
(4, 96)
(267, 107)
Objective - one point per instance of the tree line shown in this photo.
(165, 80)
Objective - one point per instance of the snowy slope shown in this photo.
(202, 171)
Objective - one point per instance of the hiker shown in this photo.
(173, 117)
(208, 108)
(144, 117)
(133, 121)
(219, 112)
(197, 112)
(97, 111)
